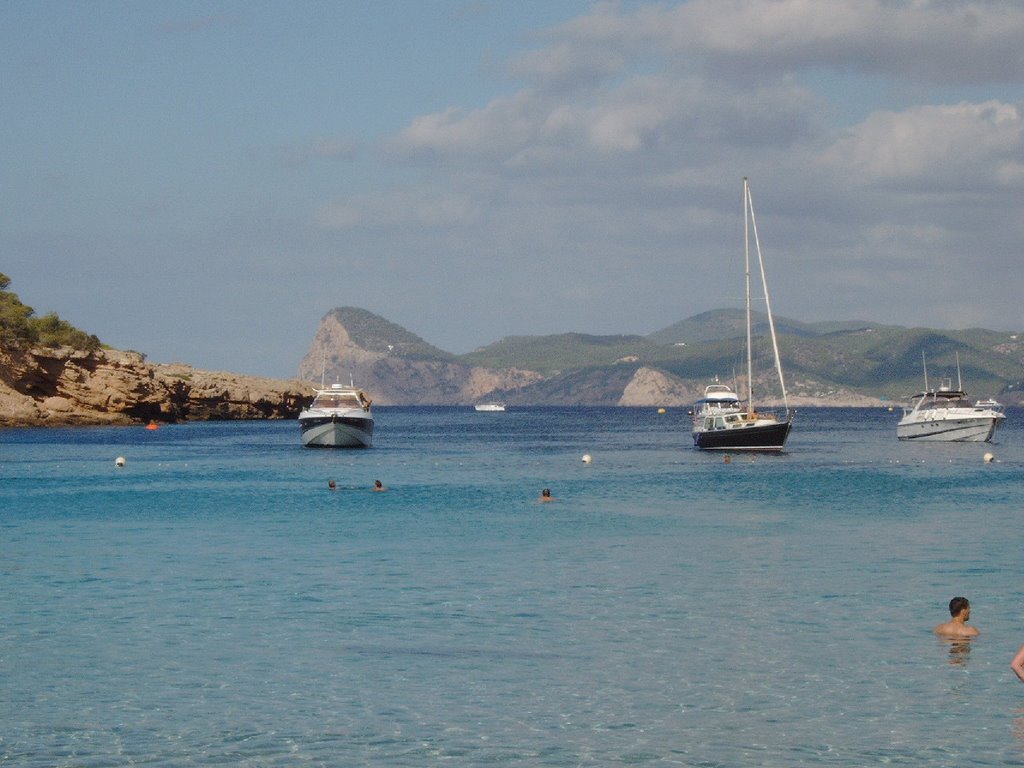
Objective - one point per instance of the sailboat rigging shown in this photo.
(721, 420)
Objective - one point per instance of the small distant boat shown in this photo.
(338, 417)
(946, 415)
(489, 406)
(723, 422)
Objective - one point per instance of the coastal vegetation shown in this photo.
(560, 352)
(827, 362)
(819, 358)
(20, 327)
(375, 334)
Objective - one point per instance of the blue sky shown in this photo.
(203, 181)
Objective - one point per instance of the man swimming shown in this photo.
(960, 610)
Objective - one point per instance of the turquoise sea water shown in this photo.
(213, 603)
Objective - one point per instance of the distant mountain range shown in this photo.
(833, 363)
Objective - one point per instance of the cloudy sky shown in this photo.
(203, 181)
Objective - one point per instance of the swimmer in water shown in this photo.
(960, 610)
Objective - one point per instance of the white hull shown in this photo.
(950, 429)
(489, 407)
(945, 415)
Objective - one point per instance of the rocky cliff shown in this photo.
(64, 386)
(396, 367)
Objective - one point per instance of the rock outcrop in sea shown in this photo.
(63, 386)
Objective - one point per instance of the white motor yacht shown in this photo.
(339, 417)
(946, 415)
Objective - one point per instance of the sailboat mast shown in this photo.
(746, 267)
(767, 300)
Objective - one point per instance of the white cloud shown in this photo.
(954, 41)
(568, 65)
(505, 123)
(953, 144)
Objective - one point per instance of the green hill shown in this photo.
(718, 324)
(565, 351)
(375, 334)
(818, 358)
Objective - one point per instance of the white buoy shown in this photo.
(587, 458)
(119, 461)
(988, 458)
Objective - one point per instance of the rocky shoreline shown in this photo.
(65, 387)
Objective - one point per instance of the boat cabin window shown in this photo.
(338, 401)
(949, 402)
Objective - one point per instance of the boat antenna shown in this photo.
(924, 363)
(959, 384)
(323, 367)
(767, 301)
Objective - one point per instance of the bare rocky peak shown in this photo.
(397, 367)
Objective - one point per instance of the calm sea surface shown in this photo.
(212, 603)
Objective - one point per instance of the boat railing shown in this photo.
(762, 413)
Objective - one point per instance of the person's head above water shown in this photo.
(958, 604)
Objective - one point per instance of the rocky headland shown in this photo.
(830, 366)
(397, 367)
(65, 386)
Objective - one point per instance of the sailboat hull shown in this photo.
(755, 437)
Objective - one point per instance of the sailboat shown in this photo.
(722, 421)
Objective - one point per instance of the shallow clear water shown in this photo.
(213, 603)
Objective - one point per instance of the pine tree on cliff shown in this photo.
(19, 327)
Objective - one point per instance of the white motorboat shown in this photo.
(723, 422)
(946, 415)
(339, 417)
(489, 406)
(718, 399)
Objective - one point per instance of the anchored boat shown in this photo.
(339, 417)
(947, 415)
(721, 420)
